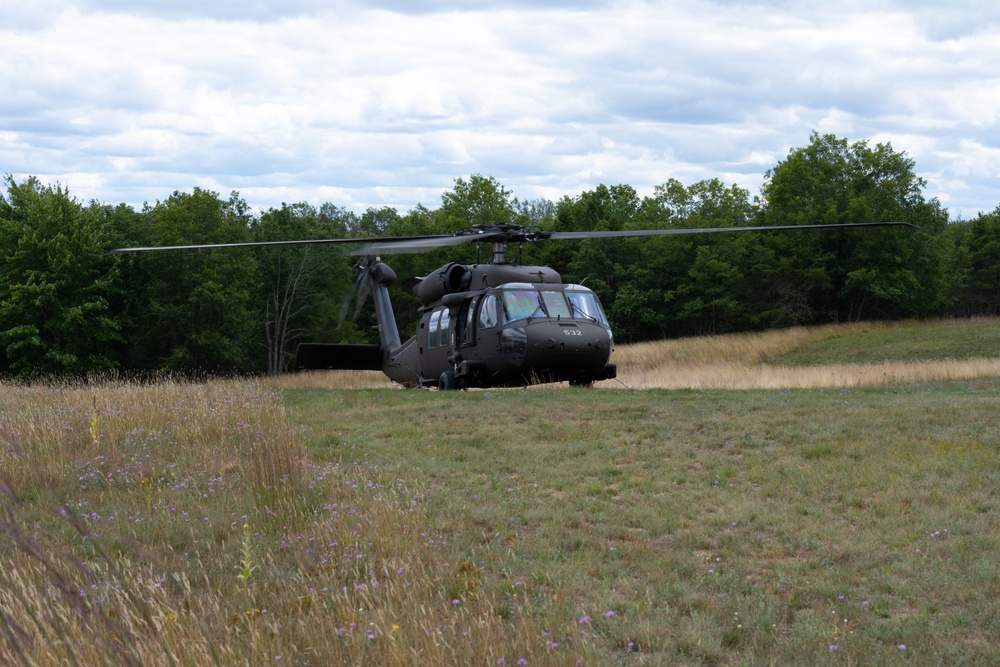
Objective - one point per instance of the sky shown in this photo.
(387, 102)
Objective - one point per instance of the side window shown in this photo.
(488, 312)
(443, 332)
(432, 330)
(464, 332)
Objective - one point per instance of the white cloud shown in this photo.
(388, 103)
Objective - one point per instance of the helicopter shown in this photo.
(494, 324)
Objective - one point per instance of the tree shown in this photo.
(979, 248)
(197, 312)
(478, 201)
(883, 272)
(302, 284)
(55, 282)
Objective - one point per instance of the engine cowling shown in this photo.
(446, 280)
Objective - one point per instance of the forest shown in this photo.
(70, 309)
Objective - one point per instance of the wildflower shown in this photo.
(609, 614)
(864, 603)
(585, 619)
(522, 661)
(902, 647)
(833, 647)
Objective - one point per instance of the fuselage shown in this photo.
(510, 334)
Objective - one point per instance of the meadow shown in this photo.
(813, 496)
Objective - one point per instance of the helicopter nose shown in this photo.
(562, 347)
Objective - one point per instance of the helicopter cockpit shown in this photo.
(559, 302)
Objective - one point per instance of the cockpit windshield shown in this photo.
(523, 301)
(519, 304)
(584, 303)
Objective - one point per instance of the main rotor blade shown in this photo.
(500, 234)
(364, 246)
(709, 230)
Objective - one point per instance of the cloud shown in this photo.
(389, 102)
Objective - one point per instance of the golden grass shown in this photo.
(334, 380)
(740, 361)
(734, 361)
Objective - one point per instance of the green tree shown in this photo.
(197, 313)
(860, 273)
(55, 284)
(377, 221)
(978, 246)
(478, 201)
(303, 287)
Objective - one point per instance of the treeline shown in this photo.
(67, 307)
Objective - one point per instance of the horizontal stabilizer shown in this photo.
(338, 357)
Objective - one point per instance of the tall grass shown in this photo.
(958, 350)
(758, 360)
(185, 524)
(224, 523)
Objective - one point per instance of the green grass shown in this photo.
(226, 523)
(721, 527)
(950, 339)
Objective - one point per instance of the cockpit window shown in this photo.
(584, 303)
(521, 301)
(519, 304)
(555, 304)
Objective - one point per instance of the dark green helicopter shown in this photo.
(496, 324)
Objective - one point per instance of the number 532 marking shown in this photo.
(572, 332)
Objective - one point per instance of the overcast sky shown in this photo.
(388, 102)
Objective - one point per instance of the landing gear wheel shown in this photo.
(447, 381)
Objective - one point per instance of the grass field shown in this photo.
(254, 523)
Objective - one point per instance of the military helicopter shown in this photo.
(495, 324)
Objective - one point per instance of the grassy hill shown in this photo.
(908, 342)
(810, 357)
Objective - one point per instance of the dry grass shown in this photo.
(741, 361)
(335, 380)
(184, 524)
(735, 361)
